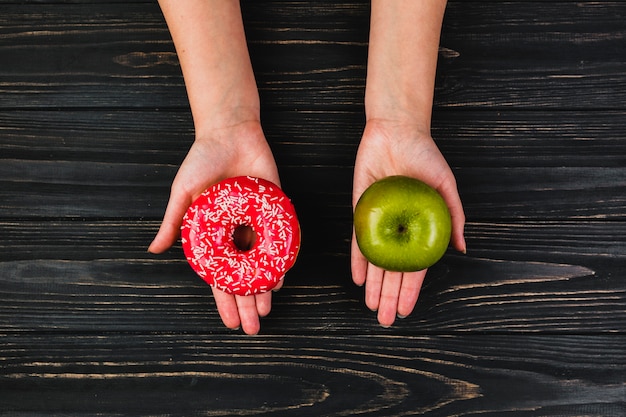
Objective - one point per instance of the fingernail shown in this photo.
(150, 247)
(400, 316)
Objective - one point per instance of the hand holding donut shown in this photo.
(210, 160)
(212, 49)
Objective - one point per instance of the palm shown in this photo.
(391, 149)
(239, 150)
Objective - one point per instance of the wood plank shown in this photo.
(127, 190)
(78, 276)
(321, 138)
(509, 164)
(530, 138)
(127, 136)
(313, 375)
(87, 55)
(560, 55)
(494, 54)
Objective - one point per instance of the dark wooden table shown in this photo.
(94, 122)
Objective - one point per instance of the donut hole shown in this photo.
(244, 237)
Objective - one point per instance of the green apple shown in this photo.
(402, 224)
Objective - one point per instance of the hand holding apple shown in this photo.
(390, 149)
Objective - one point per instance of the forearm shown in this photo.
(211, 46)
(403, 49)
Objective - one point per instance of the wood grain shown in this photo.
(322, 138)
(560, 55)
(94, 122)
(102, 280)
(314, 375)
(571, 163)
(128, 190)
(495, 54)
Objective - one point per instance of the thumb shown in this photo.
(450, 194)
(170, 226)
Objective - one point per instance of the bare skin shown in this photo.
(211, 46)
(403, 48)
(229, 141)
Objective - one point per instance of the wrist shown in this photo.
(396, 129)
(206, 122)
(399, 109)
(388, 102)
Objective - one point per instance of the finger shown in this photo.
(458, 232)
(248, 314)
(279, 285)
(264, 303)
(389, 296)
(450, 194)
(227, 308)
(358, 263)
(458, 228)
(373, 286)
(170, 226)
(409, 292)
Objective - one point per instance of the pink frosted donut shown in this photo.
(241, 235)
